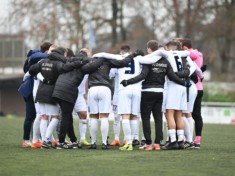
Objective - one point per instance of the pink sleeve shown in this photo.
(197, 57)
(193, 55)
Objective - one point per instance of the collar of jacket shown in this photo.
(57, 56)
(79, 56)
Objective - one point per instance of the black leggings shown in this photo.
(66, 125)
(152, 102)
(197, 113)
(29, 117)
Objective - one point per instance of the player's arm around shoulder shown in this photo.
(92, 65)
(143, 74)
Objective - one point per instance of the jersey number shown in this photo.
(131, 69)
(178, 63)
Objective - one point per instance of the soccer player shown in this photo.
(129, 101)
(116, 123)
(32, 110)
(197, 57)
(66, 93)
(99, 97)
(176, 100)
(118, 74)
(81, 105)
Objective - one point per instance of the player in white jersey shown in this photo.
(129, 104)
(116, 123)
(129, 100)
(176, 100)
(187, 116)
(192, 94)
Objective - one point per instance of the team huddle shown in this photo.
(167, 80)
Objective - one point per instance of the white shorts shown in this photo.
(99, 100)
(80, 104)
(176, 97)
(129, 101)
(37, 107)
(164, 97)
(49, 109)
(164, 100)
(192, 98)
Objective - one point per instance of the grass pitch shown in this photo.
(216, 157)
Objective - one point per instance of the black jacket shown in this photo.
(154, 75)
(101, 76)
(50, 69)
(66, 87)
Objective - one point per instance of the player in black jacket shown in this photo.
(65, 93)
(152, 95)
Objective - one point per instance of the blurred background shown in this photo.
(104, 25)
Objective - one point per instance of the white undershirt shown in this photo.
(153, 90)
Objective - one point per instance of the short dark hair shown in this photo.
(152, 44)
(70, 53)
(187, 42)
(45, 46)
(125, 48)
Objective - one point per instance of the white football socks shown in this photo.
(43, 126)
(36, 128)
(127, 130)
(191, 124)
(134, 128)
(172, 135)
(82, 128)
(51, 128)
(187, 130)
(116, 126)
(93, 129)
(104, 127)
(180, 134)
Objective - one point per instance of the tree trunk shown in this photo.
(114, 22)
(188, 24)
(123, 31)
(177, 17)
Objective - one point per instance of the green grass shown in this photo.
(216, 157)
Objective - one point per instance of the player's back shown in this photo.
(134, 68)
(101, 76)
(175, 60)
